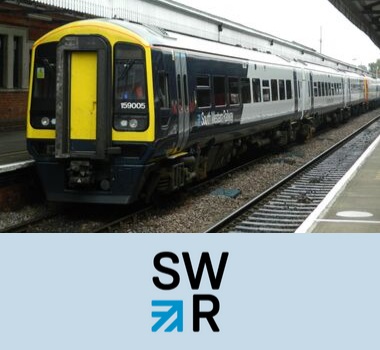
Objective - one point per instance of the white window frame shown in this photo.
(10, 33)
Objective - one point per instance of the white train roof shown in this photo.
(167, 39)
(158, 38)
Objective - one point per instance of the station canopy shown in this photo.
(365, 14)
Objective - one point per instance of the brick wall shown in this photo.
(13, 103)
(13, 106)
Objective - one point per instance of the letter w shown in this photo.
(205, 261)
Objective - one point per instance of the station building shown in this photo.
(22, 22)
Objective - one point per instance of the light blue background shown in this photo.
(94, 291)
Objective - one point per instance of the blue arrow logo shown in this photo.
(172, 307)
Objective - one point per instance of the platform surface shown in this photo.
(353, 205)
(13, 147)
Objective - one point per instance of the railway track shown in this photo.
(283, 207)
(28, 224)
(300, 201)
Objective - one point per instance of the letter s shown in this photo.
(174, 274)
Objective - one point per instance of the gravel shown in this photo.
(197, 213)
(190, 212)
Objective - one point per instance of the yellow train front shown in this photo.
(91, 126)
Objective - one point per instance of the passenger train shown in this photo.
(119, 111)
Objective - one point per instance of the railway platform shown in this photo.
(353, 205)
(13, 151)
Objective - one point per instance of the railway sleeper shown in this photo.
(277, 212)
(279, 219)
(271, 224)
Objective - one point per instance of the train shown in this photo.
(119, 111)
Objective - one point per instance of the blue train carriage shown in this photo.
(118, 111)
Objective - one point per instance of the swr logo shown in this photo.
(174, 308)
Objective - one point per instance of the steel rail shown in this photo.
(240, 211)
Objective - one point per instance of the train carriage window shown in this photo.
(245, 91)
(329, 89)
(186, 102)
(233, 91)
(163, 90)
(219, 84)
(315, 89)
(256, 90)
(179, 90)
(289, 94)
(274, 88)
(203, 91)
(281, 84)
(266, 91)
(203, 81)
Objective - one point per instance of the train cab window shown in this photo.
(44, 86)
(274, 88)
(219, 84)
(245, 91)
(130, 95)
(130, 78)
(203, 91)
(163, 90)
(289, 90)
(256, 90)
(233, 91)
(266, 91)
(281, 85)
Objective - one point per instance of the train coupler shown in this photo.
(80, 174)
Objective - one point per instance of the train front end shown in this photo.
(90, 125)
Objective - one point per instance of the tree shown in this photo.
(374, 68)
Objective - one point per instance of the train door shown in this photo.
(304, 93)
(311, 91)
(83, 96)
(365, 90)
(347, 91)
(295, 84)
(183, 99)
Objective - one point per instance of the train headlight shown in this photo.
(130, 123)
(133, 123)
(45, 121)
(53, 121)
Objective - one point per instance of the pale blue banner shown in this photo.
(189, 291)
